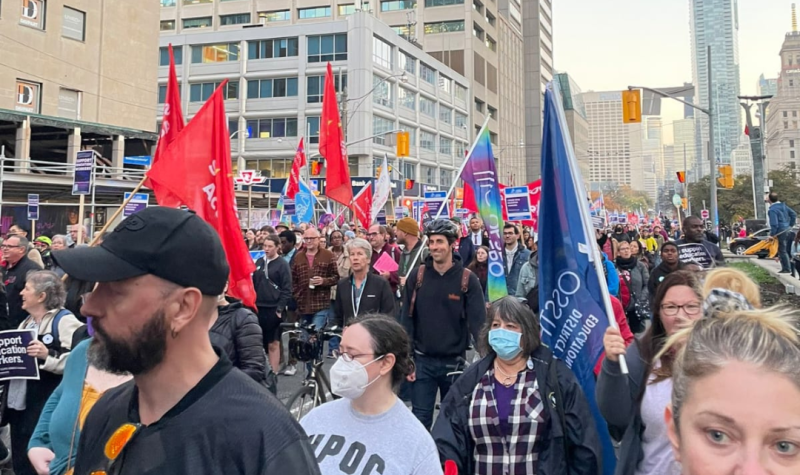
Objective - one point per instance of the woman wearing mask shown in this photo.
(633, 404)
(370, 418)
(54, 443)
(518, 410)
(736, 386)
(43, 299)
(480, 267)
(633, 276)
(272, 281)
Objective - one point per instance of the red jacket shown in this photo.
(624, 329)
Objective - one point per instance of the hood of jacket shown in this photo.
(533, 260)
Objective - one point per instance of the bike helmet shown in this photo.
(443, 227)
(305, 347)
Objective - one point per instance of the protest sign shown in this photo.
(518, 204)
(14, 360)
(695, 253)
(385, 263)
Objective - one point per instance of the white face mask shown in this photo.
(349, 379)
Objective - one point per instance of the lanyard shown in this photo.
(357, 297)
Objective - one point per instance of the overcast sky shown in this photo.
(610, 44)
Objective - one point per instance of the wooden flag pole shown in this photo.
(116, 214)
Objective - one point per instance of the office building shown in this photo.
(782, 136)
(274, 95)
(742, 160)
(715, 23)
(575, 114)
(538, 32)
(467, 36)
(767, 87)
(684, 140)
(652, 155)
(615, 149)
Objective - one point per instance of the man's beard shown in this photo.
(139, 354)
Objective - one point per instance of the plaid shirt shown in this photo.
(518, 455)
(311, 301)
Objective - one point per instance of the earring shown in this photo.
(173, 333)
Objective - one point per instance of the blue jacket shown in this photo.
(781, 217)
(520, 258)
(612, 276)
(57, 420)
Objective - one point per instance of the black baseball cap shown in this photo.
(173, 244)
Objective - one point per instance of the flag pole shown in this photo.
(449, 192)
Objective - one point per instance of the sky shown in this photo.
(611, 44)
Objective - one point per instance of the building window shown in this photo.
(163, 55)
(461, 92)
(791, 143)
(427, 140)
(406, 31)
(445, 84)
(167, 3)
(382, 92)
(272, 128)
(382, 53)
(167, 25)
(791, 153)
(410, 169)
(794, 113)
(446, 146)
(316, 84)
(442, 3)
(479, 105)
(379, 128)
(236, 19)
(398, 5)
(278, 15)
(493, 138)
(162, 94)
(445, 177)
(492, 112)
(33, 13)
(408, 63)
(444, 27)
(785, 115)
(426, 73)
(322, 49)
(477, 6)
(490, 43)
(313, 12)
(490, 19)
(196, 2)
(477, 31)
(274, 48)
(407, 99)
(266, 88)
(461, 149)
(427, 107)
(216, 53)
(312, 123)
(28, 96)
(427, 174)
(73, 24)
(445, 114)
(461, 119)
(202, 22)
(785, 124)
(200, 92)
(345, 10)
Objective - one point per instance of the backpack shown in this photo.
(56, 320)
(421, 273)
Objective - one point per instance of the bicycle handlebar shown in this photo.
(311, 328)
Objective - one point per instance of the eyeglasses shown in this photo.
(349, 357)
(372, 234)
(8, 246)
(689, 309)
(118, 441)
(311, 239)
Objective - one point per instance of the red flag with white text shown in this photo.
(196, 168)
(171, 126)
(294, 177)
(363, 205)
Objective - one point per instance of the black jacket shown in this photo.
(443, 319)
(466, 250)
(274, 291)
(659, 273)
(454, 440)
(377, 297)
(238, 334)
(16, 277)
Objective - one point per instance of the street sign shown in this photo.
(136, 204)
(676, 200)
(33, 207)
(143, 160)
(704, 214)
(82, 179)
(249, 177)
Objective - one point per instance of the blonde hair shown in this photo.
(765, 338)
(735, 280)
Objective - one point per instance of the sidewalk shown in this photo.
(791, 284)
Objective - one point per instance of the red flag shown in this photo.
(294, 178)
(363, 206)
(746, 132)
(196, 168)
(171, 126)
(469, 199)
(332, 146)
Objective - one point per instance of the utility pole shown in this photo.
(713, 152)
(686, 184)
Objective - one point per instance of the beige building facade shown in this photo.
(783, 121)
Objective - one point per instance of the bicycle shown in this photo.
(307, 346)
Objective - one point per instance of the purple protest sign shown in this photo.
(82, 180)
(14, 360)
(136, 204)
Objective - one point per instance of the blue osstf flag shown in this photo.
(573, 294)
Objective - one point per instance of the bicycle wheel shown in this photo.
(301, 402)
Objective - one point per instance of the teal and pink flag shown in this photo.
(480, 173)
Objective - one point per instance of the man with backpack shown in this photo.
(440, 317)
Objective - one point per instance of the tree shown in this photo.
(624, 198)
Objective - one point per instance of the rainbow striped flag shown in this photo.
(480, 173)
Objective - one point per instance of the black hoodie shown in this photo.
(444, 317)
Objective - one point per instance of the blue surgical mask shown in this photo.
(505, 343)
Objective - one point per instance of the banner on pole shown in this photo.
(82, 178)
(288, 207)
(381, 217)
(33, 207)
(437, 200)
(14, 360)
(518, 203)
(399, 212)
(136, 204)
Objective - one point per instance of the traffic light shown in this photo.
(726, 176)
(403, 144)
(632, 106)
(409, 184)
(407, 203)
(681, 176)
(316, 168)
